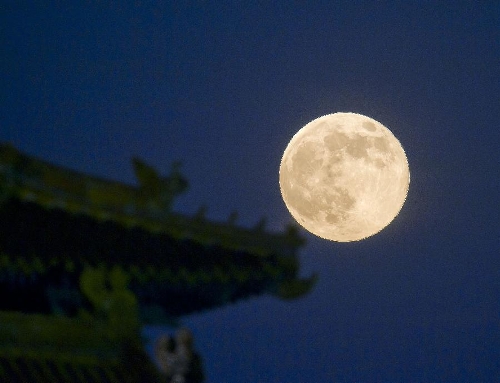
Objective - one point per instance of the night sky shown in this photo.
(222, 87)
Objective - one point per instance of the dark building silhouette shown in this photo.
(85, 262)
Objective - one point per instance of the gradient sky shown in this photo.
(223, 86)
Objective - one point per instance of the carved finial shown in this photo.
(146, 175)
(291, 230)
(109, 294)
(159, 192)
(292, 234)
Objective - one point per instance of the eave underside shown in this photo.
(43, 252)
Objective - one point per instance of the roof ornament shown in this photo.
(159, 192)
(108, 292)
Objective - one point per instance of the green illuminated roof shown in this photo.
(61, 222)
(84, 262)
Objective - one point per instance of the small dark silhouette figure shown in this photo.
(177, 359)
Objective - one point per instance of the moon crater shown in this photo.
(344, 177)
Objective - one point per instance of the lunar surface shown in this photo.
(344, 177)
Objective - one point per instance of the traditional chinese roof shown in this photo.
(146, 206)
(57, 222)
(36, 348)
(85, 261)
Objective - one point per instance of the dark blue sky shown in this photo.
(223, 86)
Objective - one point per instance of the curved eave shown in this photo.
(52, 187)
(43, 246)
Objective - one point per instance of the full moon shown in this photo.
(344, 177)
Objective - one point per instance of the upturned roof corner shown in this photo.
(85, 261)
(60, 217)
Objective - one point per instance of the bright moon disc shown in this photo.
(344, 177)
